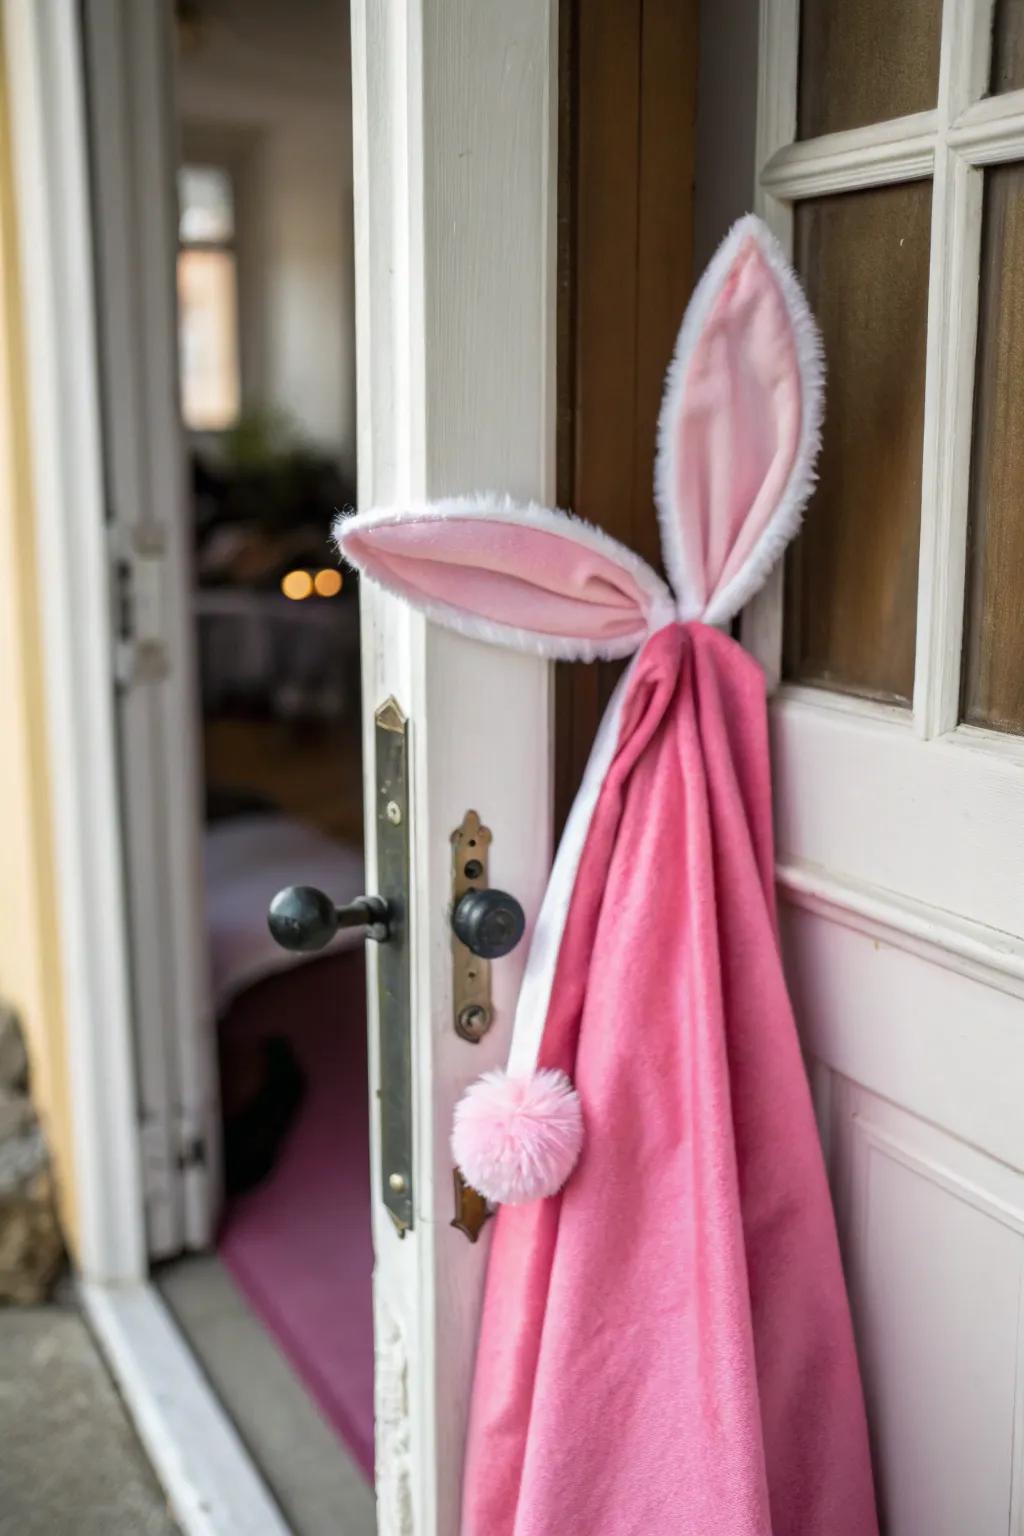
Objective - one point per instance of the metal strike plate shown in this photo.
(391, 733)
(471, 976)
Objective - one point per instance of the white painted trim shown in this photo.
(900, 150)
(971, 949)
(945, 1177)
(877, 711)
(949, 390)
(990, 130)
(964, 59)
(778, 54)
(487, 506)
(720, 606)
(989, 743)
(129, 52)
(937, 821)
(210, 1480)
(48, 127)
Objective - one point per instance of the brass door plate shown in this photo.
(394, 1012)
(471, 976)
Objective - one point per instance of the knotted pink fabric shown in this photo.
(666, 1346)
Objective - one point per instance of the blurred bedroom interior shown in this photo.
(280, 1312)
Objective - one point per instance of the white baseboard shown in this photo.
(211, 1482)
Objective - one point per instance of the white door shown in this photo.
(891, 160)
(455, 272)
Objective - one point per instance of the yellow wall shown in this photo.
(29, 968)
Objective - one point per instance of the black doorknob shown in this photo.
(303, 918)
(490, 923)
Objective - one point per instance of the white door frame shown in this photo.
(129, 60)
(97, 274)
(212, 1485)
(47, 112)
(455, 134)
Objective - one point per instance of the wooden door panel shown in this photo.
(626, 149)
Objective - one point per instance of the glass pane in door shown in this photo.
(851, 578)
(864, 61)
(993, 686)
(1007, 72)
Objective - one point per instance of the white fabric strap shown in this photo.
(539, 975)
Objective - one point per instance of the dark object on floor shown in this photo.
(253, 1134)
(222, 803)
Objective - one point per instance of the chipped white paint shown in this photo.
(393, 1440)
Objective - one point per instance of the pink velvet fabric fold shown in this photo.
(738, 426)
(522, 576)
(666, 1345)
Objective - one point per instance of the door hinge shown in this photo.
(137, 583)
(164, 1156)
(191, 1139)
(191, 1151)
(158, 1178)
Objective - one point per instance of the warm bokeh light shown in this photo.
(327, 582)
(297, 585)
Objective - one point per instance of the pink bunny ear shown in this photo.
(522, 576)
(740, 426)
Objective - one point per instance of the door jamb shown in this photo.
(212, 1484)
(44, 80)
(128, 58)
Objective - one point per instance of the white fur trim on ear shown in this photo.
(503, 509)
(785, 520)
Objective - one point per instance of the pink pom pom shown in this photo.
(517, 1138)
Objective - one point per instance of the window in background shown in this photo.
(207, 300)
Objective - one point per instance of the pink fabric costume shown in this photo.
(666, 1344)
